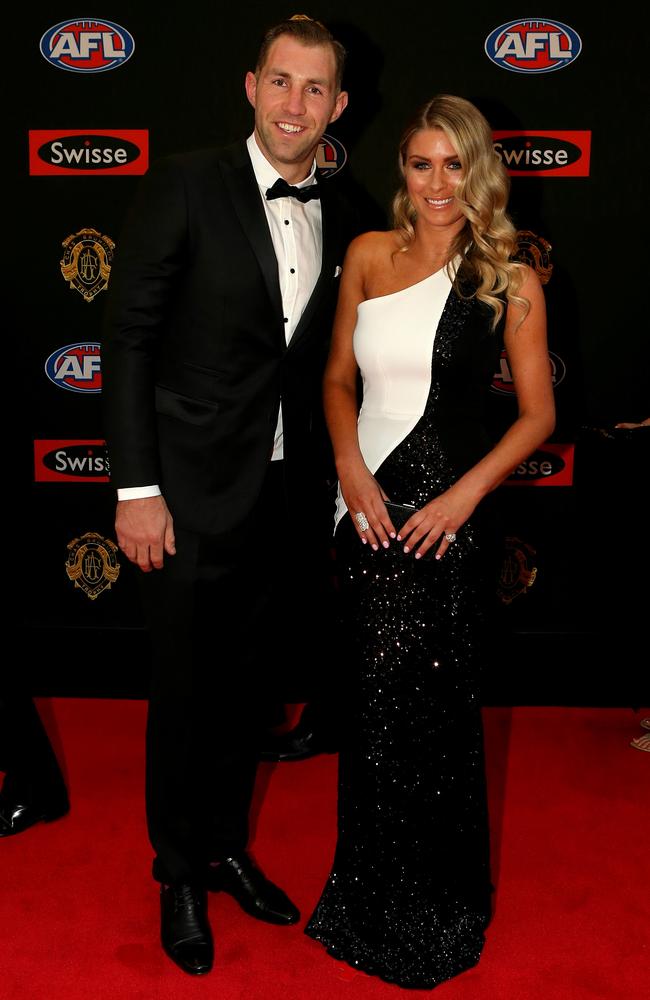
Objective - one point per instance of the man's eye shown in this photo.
(279, 82)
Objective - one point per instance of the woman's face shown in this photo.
(432, 172)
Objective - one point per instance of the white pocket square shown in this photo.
(337, 270)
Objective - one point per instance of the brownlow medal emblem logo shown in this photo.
(92, 563)
(86, 263)
(517, 572)
(535, 251)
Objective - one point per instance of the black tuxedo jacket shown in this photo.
(194, 356)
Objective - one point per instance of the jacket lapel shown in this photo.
(239, 178)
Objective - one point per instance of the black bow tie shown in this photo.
(281, 189)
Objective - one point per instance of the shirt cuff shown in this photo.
(138, 492)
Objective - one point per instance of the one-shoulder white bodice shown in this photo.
(393, 345)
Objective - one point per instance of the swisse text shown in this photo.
(534, 467)
(71, 462)
(59, 155)
(64, 462)
(561, 153)
(532, 157)
(78, 152)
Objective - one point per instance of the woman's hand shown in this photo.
(442, 517)
(363, 495)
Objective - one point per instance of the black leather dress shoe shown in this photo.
(297, 744)
(184, 929)
(17, 816)
(242, 879)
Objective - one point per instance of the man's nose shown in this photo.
(295, 101)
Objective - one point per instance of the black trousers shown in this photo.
(32, 772)
(225, 615)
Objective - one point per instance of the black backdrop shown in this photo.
(567, 637)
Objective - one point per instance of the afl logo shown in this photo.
(76, 367)
(503, 383)
(330, 156)
(87, 46)
(533, 46)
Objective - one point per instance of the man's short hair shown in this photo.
(308, 32)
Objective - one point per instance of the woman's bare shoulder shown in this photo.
(527, 278)
(373, 247)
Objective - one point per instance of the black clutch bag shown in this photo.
(399, 514)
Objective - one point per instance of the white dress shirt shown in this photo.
(297, 234)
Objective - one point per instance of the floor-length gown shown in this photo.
(409, 894)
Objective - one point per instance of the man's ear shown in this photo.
(340, 105)
(251, 87)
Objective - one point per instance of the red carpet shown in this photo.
(570, 807)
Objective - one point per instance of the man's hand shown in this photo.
(631, 427)
(145, 531)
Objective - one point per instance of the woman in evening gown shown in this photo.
(424, 311)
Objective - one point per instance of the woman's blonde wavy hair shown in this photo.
(488, 240)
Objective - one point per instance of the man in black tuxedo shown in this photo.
(220, 309)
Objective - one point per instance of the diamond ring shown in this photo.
(450, 536)
(362, 521)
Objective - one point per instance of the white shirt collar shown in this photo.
(265, 174)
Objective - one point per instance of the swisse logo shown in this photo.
(533, 45)
(71, 462)
(553, 154)
(98, 152)
(87, 45)
(551, 465)
(76, 367)
(503, 382)
(331, 155)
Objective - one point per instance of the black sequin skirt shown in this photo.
(409, 894)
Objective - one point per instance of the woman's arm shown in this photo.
(529, 364)
(360, 490)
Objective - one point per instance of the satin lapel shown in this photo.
(237, 172)
(329, 261)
